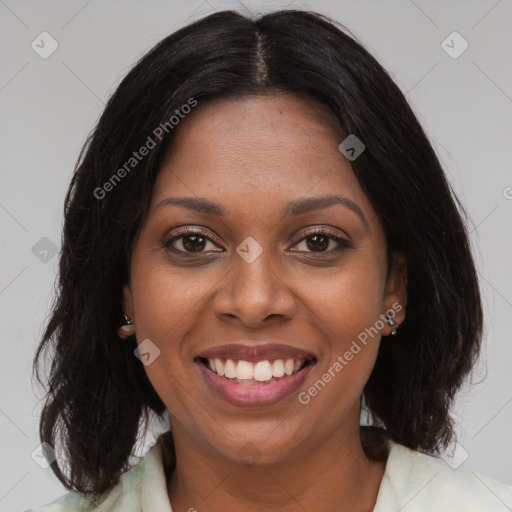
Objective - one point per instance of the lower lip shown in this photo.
(250, 395)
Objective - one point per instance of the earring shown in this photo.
(126, 330)
(391, 322)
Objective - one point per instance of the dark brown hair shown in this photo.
(98, 391)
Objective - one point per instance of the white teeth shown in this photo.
(261, 371)
(288, 366)
(230, 369)
(219, 367)
(244, 370)
(278, 368)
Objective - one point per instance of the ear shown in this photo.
(395, 296)
(127, 301)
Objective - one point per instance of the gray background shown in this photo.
(49, 106)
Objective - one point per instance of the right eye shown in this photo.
(191, 241)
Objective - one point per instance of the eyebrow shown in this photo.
(292, 209)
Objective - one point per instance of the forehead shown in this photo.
(258, 151)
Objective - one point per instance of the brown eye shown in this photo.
(193, 243)
(320, 241)
(188, 242)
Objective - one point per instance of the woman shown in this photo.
(259, 240)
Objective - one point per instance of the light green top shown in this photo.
(412, 482)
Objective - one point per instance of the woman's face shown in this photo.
(260, 267)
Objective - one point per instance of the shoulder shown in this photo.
(419, 482)
(126, 496)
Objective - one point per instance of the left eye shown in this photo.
(319, 241)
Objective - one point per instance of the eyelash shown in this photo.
(342, 243)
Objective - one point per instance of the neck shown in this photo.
(332, 474)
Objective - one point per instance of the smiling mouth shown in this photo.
(253, 373)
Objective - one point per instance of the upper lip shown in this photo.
(248, 351)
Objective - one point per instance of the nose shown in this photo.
(252, 293)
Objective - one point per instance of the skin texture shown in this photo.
(253, 156)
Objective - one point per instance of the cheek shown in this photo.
(166, 305)
(351, 299)
(349, 314)
(353, 330)
(165, 301)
